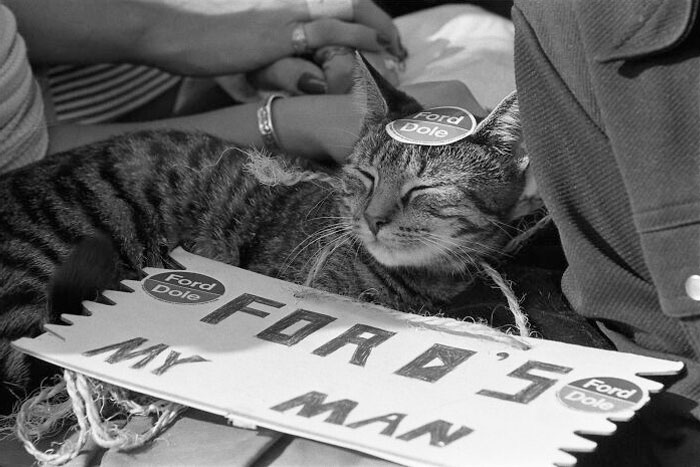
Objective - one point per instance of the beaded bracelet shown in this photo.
(265, 126)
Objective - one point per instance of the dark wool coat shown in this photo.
(610, 101)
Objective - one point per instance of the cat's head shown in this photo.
(439, 207)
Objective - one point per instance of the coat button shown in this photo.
(692, 287)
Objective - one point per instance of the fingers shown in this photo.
(362, 13)
(331, 31)
(294, 75)
(369, 14)
(338, 64)
(300, 76)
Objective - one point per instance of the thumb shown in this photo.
(294, 75)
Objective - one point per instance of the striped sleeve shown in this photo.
(100, 93)
(23, 132)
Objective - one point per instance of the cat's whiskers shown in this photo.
(451, 251)
(449, 242)
(461, 258)
(320, 257)
(317, 205)
(346, 218)
(328, 232)
(434, 245)
(482, 247)
(314, 237)
(500, 225)
(357, 244)
(315, 233)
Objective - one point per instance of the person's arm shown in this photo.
(81, 32)
(310, 126)
(316, 127)
(189, 37)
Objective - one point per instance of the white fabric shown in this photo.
(460, 42)
(23, 133)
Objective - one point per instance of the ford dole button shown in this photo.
(437, 126)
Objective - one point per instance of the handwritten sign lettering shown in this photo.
(295, 360)
(314, 403)
(538, 386)
(128, 349)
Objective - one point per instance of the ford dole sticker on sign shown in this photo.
(437, 126)
(183, 287)
(602, 394)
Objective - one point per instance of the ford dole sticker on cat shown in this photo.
(437, 126)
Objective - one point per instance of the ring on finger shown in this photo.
(300, 43)
(341, 9)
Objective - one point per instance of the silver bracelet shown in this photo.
(265, 126)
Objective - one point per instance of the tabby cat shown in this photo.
(399, 224)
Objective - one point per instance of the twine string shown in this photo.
(521, 321)
(37, 416)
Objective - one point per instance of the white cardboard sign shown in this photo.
(278, 355)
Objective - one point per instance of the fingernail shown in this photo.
(383, 40)
(311, 84)
(403, 53)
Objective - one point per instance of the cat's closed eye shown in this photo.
(414, 191)
(366, 176)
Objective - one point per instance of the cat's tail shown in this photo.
(91, 267)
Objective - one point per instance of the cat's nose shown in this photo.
(375, 222)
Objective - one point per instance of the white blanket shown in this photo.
(461, 42)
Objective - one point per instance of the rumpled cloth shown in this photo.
(23, 132)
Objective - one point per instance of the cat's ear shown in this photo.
(376, 97)
(501, 130)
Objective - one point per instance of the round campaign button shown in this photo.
(433, 127)
(183, 287)
(602, 394)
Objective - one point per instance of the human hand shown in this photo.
(330, 72)
(339, 63)
(209, 37)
